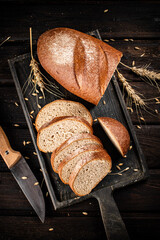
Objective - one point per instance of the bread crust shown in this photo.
(62, 100)
(61, 120)
(69, 141)
(118, 131)
(97, 155)
(82, 64)
(86, 148)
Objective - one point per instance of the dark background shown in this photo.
(139, 204)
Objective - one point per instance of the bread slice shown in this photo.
(117, 133)
(53, 135)
(68, 148)
(67, 165)
(89, 171)
(60, 108)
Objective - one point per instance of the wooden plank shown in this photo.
(143, 196)
(85, 227)
(143, 19)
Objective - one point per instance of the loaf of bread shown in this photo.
(117, 133)
(67, 165)
(60, 108)
(75, 143)
(81, 63)
(52, 135)
(89, 171)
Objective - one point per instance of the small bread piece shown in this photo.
(68, 148)
(52, 136)
(117, 133)
(81, 63)
(89, 171)
(67, 165)
(60, 108)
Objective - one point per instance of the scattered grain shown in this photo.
(130, 147)
(50, 229)
(135, 170)
(139, 127)
(104, 102)
(133, 63)
(120, 164)
(46, 194)
(28, 142)
(131, 40)
(36, 183)
(156, 111)
(27, 157)
(126, 40)
(34, 153)
(142, 54)
(16, 104)
(136, 48)
(38, 106)
(24, 143)
(113, 40)
(118, 167)
(106, 40)
(24, 178)
(41, 97)
(32, 112)
(125, 156)
(34, 94)
(106, 10)
(26, 99)
(142, 118)
(85, 213)
(95, 120)
(131, 109)
(16, 125)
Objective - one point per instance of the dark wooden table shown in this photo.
(139, 204)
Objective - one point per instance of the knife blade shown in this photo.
(23, 175)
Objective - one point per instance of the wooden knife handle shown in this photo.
(8, 154)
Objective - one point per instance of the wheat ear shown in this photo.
(143, 72)
(138, 101)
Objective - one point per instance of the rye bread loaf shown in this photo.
(54, 134)
(117, 133)
(60, 108)
(67, 165)
(81, 63)
(89, 171)
(68, 148)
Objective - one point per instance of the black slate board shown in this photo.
(111, 105)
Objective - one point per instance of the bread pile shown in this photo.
(65, 129)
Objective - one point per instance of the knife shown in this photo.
(23, 175)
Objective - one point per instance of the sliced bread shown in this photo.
(117, 133)
(89, 171)
(53, 135)
(68, 148)
(67, 165)
(60, 108)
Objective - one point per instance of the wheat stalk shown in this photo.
(134, 95)
(5, 41)
(143, 72)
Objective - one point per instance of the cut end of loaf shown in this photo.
(117, 133)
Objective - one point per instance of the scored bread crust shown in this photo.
(61, 100)
(96, 156)
(82, 64)
(80, 151)
(64, 119)
(68, 142)
(117, 133)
